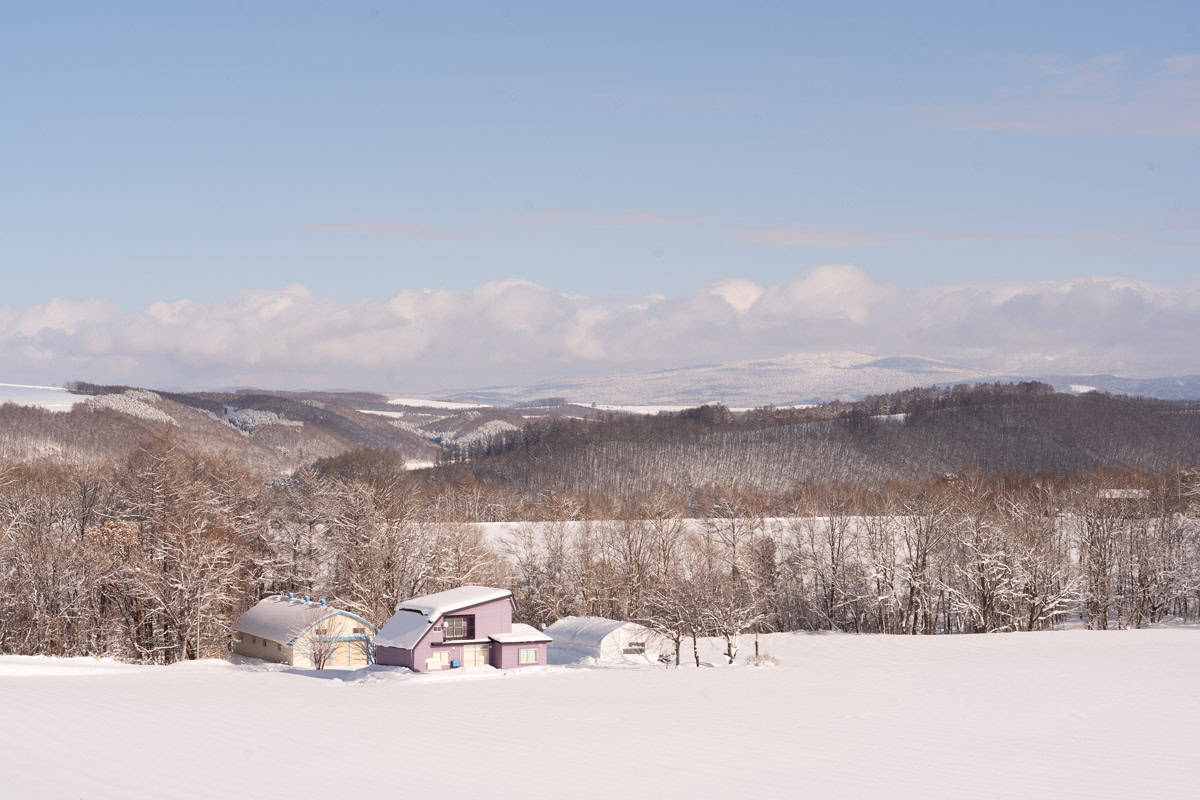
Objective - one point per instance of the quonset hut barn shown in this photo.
(304, 633)
(470, 626)
(611, 640)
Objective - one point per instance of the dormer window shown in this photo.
(462, 627)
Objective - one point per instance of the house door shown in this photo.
(475, 655)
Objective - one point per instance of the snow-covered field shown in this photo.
(420, 402)
(50, 398)
(136, 402)
(652, 410)
(1069, 714)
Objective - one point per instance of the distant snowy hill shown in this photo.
(800, 379)
(797, 379)
(1184, 387)
(277, 431)
(269, 432)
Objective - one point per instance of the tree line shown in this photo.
(153, 559)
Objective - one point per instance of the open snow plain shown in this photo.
(1069, 714)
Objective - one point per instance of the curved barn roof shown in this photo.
(585, 630)
(285, 619)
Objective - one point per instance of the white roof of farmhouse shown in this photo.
(283, 619)
(521, 633)
(435, 605)
(414, 617)
(404, 630)
(585, 629)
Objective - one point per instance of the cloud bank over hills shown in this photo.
(510, 331)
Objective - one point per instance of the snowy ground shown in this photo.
(1069, 714)
(51, 398)
(651, 410)
(420, 402)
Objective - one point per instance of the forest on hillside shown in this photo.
(921, 433)
(154, 559)
(938, 510)
(268, 433)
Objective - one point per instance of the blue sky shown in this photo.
(158, 153)
(154, 153)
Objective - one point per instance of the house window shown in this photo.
(527, 655)
(635, 649)
(458, 628)
(360, 630)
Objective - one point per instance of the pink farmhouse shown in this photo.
(470, 626)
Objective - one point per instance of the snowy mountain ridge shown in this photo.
(804, 378)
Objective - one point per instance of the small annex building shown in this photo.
(470, 626)
(610, 640)
(304, 633)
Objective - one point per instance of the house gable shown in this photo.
(426, 632)
(417, 618)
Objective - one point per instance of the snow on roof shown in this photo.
(520, 633)
(283, 619)
(584, 629)
(414, 617)
(403, 630)
(435, 605)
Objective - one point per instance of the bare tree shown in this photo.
(316, 637)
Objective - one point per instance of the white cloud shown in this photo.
(59, 315)
(515, 331)
(740, 293)
(842, 292)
